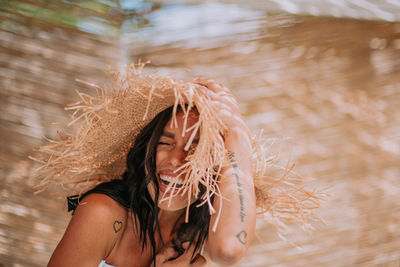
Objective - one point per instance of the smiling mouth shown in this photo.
(167, 180)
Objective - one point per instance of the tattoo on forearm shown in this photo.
(117, 226)
(241, 236)
(231, 156)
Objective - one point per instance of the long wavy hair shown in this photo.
(132, 193)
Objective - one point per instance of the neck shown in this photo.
(167, 216)
(168, 220)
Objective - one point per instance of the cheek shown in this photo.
(158, 156)
(152, 190)
(161, 155)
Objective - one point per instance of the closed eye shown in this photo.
(163, 143)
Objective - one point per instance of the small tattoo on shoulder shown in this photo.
(117, 226)
(241, 236)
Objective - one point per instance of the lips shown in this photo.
(166, 181)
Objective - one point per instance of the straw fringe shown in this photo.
(109, 122)
(282, 200)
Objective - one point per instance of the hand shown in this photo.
(225, 104)
(162, 258)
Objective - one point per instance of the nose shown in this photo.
(178, 156)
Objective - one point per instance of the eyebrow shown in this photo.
(168, 134)
(171, 135)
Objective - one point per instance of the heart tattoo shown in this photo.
(117, 226)
(242, 237)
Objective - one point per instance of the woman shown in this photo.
(158, 213)
(165, 174)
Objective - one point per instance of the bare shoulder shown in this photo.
(100, 205)
(102, 213)
(95, 227)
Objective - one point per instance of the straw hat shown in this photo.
(109, 122)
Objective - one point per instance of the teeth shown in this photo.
(170, 179)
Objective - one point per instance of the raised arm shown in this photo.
(235, 229)
(91, 234)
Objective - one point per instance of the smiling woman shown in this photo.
(163, 145)
(158, 166)
(171, 155)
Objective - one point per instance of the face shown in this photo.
(170, 156)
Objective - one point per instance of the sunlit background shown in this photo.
(324, 76)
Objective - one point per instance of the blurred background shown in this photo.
(323, 75)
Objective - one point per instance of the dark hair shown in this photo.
(132, 193)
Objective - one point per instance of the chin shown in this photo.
(176, 203)
(172, 207)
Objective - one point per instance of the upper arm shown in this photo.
(95, 227)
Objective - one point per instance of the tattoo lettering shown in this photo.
(231, 157)
(241, 236)
(117, 226)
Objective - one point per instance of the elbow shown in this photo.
(228, 252)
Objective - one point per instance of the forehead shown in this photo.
(192, 118)
(178, 132)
